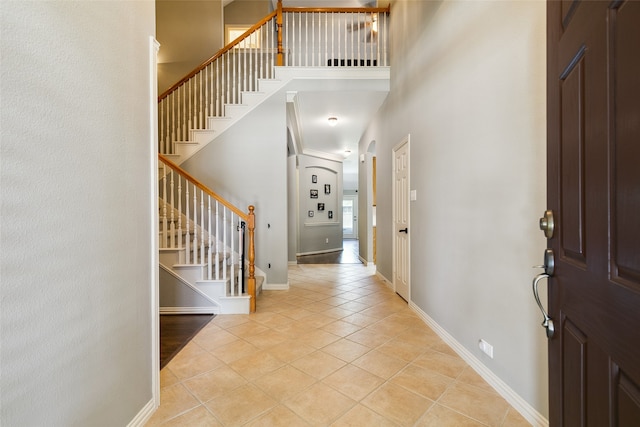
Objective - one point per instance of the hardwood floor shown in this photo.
(176, 330)
(348, 255)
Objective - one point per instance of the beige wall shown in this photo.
(468, 85)
(189, 32)
(77, 241)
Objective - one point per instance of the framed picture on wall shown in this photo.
(314, 194)
(327, 189)
(310, 214)
(320, 206)
(330, 214)
(314, 179)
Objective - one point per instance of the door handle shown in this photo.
(404, 230)
(547, 322)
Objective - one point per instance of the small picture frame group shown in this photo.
(314, 179)
(330, 214)
(327, 189)
(310, 214)
(313, 194)
(320, 206)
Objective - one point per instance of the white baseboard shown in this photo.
(189, 310)
(275, 286)
(514, 399)
(384, 279)
(144, 415)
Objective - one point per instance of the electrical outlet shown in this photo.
(486, 348)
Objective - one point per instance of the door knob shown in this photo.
(549, 262)
(404, 230)
(546, 224)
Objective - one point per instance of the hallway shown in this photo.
(339, 348)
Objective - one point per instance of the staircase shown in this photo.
(201, 234)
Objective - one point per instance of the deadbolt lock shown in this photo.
(546, 224)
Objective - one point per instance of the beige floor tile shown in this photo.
(167, 378)
(267, 339)
(214, 339)
(284, 382)
(514, 419)
(369, 338)
(278, 416)
(199, 416)
(346, 350)
(290, 350)
(442, 347)
(341, 328)
(230, 320)
(471, 377)
(318, 364)
(320, 405)
(422, 381)
(443, 364)
(296, 313)
(174, 400)
(318, 338)
(215, 383)
(380, 364)
(353, 382)
(247, 329)
(439, 416)
(360, 320)
(488, 408)
(402, 350)
(243, 405)
(256, 365)
(361, 416)
(337, 313)
(195, 361)
(397, 404)
(234, 351)
(316, 320)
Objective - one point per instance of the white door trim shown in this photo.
(395, 200)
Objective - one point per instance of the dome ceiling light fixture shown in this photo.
(333, 121)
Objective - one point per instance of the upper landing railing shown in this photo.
(297, 37)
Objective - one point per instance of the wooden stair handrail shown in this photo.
(204, 188)
(221, 52)
(278, 15)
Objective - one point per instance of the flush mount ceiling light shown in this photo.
(333, 121)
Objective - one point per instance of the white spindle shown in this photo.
(173, 120)
(172, 201)
(232, 273)
(224, 244)
(202, 253)
(179, 212)
(209, 236)
(195, 224)
(164, 206)
(217, 259)
(187, 236)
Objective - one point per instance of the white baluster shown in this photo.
(209, 236)
(179, 212)
(202, 253)
(240, 260)
(224, 244)
(187, 237)
(217, 259)
(164, 206)
(195, 224)
(173, 224)
(232, 273)
(173, 121)
(326, 37)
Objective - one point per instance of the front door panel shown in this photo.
(594, 191)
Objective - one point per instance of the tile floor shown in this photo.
(337, 349)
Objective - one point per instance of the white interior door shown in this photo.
(350, 217)
(401, 282)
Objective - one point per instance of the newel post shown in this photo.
(251, 282)
(280, 60)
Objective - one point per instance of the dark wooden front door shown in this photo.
(594, 193)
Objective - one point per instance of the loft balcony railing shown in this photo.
(295, 37)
